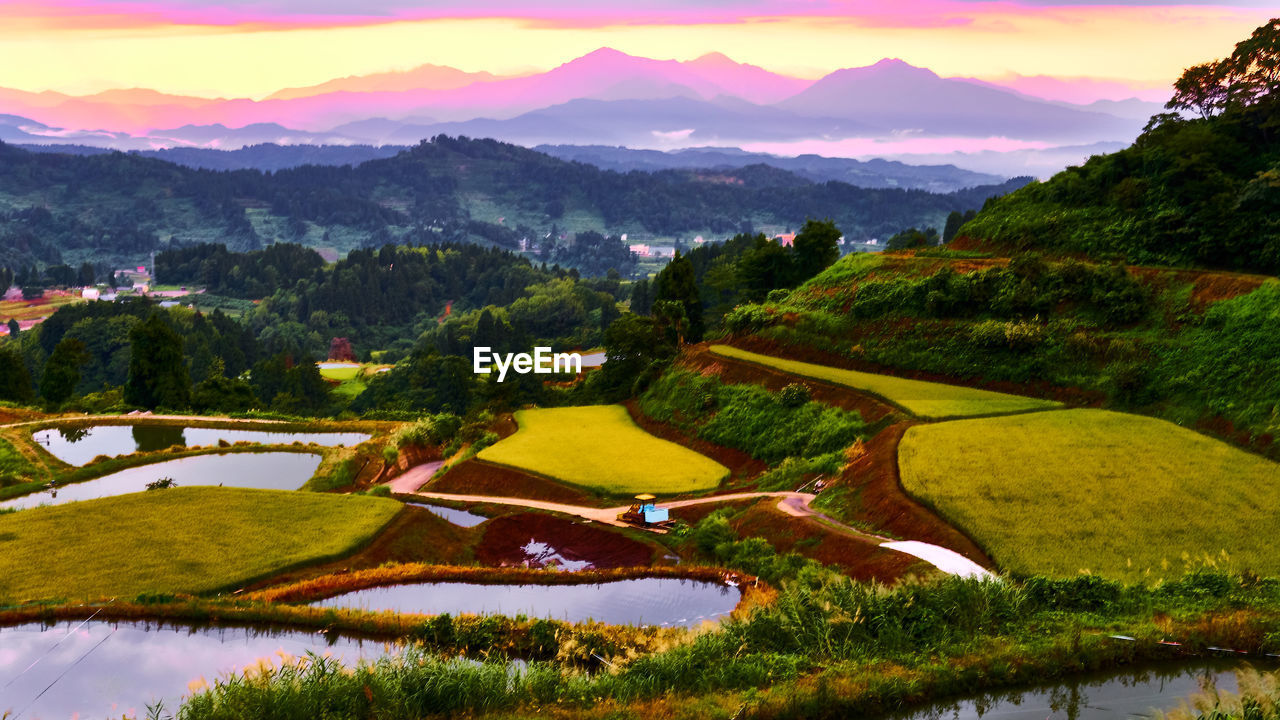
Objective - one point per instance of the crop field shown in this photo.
(341, 373)
(929, 400)
(26, 311)
(1122, 496)
(601, 448)
(191, 540)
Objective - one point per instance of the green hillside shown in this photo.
(118, 208)
(1200, 192)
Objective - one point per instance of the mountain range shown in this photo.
(117, 207)
(603, 98)
(270, 157)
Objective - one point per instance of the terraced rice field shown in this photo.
(599, 447)
(186, 539)
(1118, 495)
(929, 400)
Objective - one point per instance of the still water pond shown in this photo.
(100, 670)
(1131, 693)
(79, 446)
(461, 518)
(643, 601)
(268, 470)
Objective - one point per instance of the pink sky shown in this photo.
(237, 48)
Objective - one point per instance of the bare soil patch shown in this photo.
(881, 501)
(506, 538)
(476, 477)
(858, 558)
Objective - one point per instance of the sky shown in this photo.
(251, 48)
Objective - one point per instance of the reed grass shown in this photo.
(827, 647)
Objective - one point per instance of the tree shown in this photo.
(62, 371)
(678, 282)
(815, 247)
(636, 349)
(1250, 76)
(14, 327)
(766, 266)
(641, 302)
(912, 238)
(1254, 68)
(1202, 88)
(158, 375)
(15, 381)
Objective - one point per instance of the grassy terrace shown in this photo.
(599, 447)
(1123, 496)
(189, 539)
(929, 400)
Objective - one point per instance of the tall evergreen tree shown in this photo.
(816, 246)
(954, 221)
(678, 282)
(62, 370)
(158, 375)
(641, 301)
(15, 381)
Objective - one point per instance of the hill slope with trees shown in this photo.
(1191, 191)
(117, 208)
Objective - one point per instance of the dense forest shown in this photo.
(1202, 190)
(426, 306)
(118, 208)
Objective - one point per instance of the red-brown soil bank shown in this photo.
(506, 537)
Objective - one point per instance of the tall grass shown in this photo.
(880, 645)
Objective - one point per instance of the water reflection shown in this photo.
(268, 470)
(79, 446)
(149, 438)
(642, 601)
(457, 517)
(99, 670)
(1134, 693)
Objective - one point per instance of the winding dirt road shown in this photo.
(796, 504)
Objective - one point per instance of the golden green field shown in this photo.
(930, 400)
(190, 540)
(1123, 496)
(345, 372)
(599, 447)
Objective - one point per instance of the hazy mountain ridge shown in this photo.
(605, 97)
(270, 157)
(58, 207)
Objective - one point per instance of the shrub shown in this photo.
(767, 425)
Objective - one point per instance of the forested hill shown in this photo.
(1199, 192)
(115, 207)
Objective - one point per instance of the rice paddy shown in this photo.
(930, 400)
(599, 447)
(181, 540)
(1122, 496)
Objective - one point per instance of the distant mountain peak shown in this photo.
(713, 58)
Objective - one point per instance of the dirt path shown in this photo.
(795, 504)
(414, 478)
